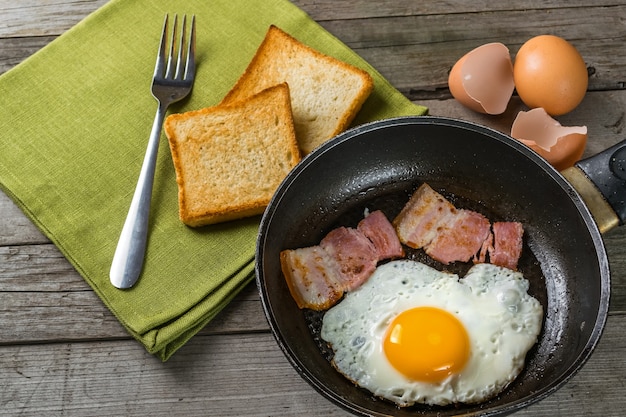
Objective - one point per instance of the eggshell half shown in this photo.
(482, 79)
(561, 146)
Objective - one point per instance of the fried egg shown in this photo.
(412, 334)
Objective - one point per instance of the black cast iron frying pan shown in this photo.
(378, 166)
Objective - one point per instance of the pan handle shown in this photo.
(607, 171)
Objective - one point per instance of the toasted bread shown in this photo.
(229, 159)
(326, 94)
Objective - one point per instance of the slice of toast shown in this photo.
(326, 94)
(229, 159)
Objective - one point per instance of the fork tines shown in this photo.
(183, 66)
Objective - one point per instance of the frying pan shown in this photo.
(378, 166)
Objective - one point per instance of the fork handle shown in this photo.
(131, 248)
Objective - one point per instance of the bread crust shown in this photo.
(326, 93)
(229, 159)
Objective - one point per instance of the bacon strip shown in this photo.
(318, 276)
(507, 246)
(354, 254)
(381, 233)
(461, 238)
(421, 218)
(309, 273)
(447, 234)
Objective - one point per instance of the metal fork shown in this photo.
(172, 81)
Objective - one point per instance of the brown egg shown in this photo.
(549, 72)
(483, 79)
(561, 146)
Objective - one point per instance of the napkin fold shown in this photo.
(75, 118)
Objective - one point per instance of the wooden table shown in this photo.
(63, 353)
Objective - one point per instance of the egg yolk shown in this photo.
(426, 344)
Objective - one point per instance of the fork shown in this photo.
(173, 78)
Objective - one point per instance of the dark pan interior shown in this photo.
(377, 166)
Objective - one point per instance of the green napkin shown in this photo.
(75, 119)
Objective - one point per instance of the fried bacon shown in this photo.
(353, 253)
(460, 238)
(507, 244)
(447, 234)
(422, 217)
(318, 276)
(380, 231)
(311, 277)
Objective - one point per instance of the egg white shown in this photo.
(502, 320)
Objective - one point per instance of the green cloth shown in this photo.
(75, 119)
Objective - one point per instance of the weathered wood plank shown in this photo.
(36, 18)
(44, 317)
(416, 53)
(40, 268)
(37, 268)
(43, 299)
(322, 10)
(430, 44)
(15, 50)
(615, 242)
(54, 317)
(15, 228)
(119, 378)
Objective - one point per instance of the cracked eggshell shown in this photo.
(561, 146)
(482, 79)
